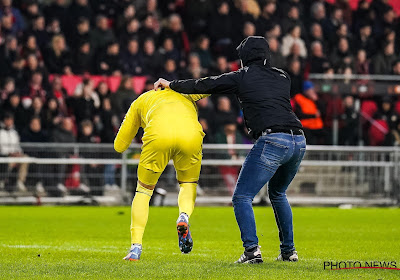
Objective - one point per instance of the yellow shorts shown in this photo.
(185, 151)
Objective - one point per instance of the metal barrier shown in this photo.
(341, 171)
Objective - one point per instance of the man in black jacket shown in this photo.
(264, 95)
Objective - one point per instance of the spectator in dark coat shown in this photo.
(221, 66)
(77, 10)
(291, 19)
(387, 112)
(220, 30)
(316, 34)
(132, 59)
(34, 133)
(152, 60)
(103, 91)
(175, 31)
(109, 62)
(33, 66)
(147, 31)
(383, 61)
(8, 56)
(81, 32)
(57, 10)
(83, 59)
(13, 105)
(169, 72)
(30, 48)
(8, 88)
(342, 56)
(53, 28)
(361, 63)
(224, 112)
(61, 134)
(122, 99)
(331, 25)
(102, 35)
(35, 110)
(58, 58)
(348, 134)
(83, 106)
(130, 31)
(296, 76)
(277, 59)
(318, 60)
(108, 120)
(38, 30)
(52, 115)
(267, 18)
(35, 88)
(128, 13)
(203, 51)
(59, 93)
(169, 51)
(365, 40)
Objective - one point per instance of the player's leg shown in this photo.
(277, 194)
(140, 210)
(259, 167)
(153, 160)
(187, 162)
(187, 180)
(147, 180)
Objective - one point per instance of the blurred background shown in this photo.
(69, 71)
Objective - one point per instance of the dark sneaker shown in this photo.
(184, 236)
(134, 253)
(288, 257)
(251, 257)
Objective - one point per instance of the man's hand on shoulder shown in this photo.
(161, 83)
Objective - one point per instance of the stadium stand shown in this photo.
(42, 41)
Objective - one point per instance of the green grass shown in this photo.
(90, 242)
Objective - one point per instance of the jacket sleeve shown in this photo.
(223, 84)
(128, 129)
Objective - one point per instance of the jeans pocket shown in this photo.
(274, 153)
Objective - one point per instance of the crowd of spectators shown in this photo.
(41, 40)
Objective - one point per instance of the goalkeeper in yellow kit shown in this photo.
(171, 131)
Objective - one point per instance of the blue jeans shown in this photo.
(274, 158)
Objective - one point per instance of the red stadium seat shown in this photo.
(70, 82)
(375, 133)
(113, 83)
(369, 108)
(139, 84)
(97, 79)
(397, 107)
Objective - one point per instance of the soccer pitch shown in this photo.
(90, 242)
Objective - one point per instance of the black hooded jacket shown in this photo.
(263, 91)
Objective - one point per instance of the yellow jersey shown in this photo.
(157, 112)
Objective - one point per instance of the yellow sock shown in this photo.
(187, 197)
(140, 213)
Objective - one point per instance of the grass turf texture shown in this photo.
(90, 242)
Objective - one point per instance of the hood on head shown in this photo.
(252, 49)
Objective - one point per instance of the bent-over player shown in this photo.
(171, 131)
